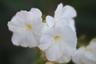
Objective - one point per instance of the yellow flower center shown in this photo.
(29, 27)
(56, 38)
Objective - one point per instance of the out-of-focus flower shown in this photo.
(49, 63)
(26, 27)
(92, 44)
(86, 55)
(58, 40)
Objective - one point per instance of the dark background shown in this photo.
(10, 54)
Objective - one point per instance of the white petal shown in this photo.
(17, 22)
(37, 26)
(53, 53)
(24, 40)
(45, 28)
(83, 56)
(72, 24)
(78, 57)
(92, 44)
(46, 38)
(64, 21)
(45, 42)
(65, 12)
(59, 10)
(15, 27)
(69, 36)
(67, 54)
(69, 12)
(36, 11)
(49, 21)
(64, 59)
(36, 16)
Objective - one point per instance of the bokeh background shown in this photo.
(10, 54)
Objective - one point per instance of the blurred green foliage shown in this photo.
(85, 25)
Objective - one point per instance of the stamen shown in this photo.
(56, 38)
(29, 27)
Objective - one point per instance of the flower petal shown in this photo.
(53, 53)
(65, 12)
(72, 24)
(84, 56)
(69, 36)
(78, 56)
(36, 11)
(69, 12)
(67, 54)
(37, 20)
(45, 42)
(59, 10)
(49, 21)
(92, 44)
(17, 22)
(64, 21)
(24, 40)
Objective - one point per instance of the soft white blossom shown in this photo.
(26, 27)
(86, 55)
(58, 40)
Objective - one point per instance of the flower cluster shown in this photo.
(56, 38)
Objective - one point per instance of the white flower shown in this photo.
(58, 40)
(86, 55)
(26, 27)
